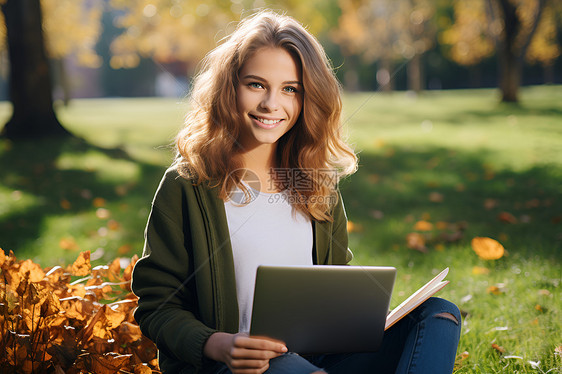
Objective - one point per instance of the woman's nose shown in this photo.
(270, 101)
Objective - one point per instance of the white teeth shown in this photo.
(268, 121)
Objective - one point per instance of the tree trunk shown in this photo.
(415, 73)
(509, 63)
(33, 115)
(510, 75)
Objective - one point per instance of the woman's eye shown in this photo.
(291, 89)
(255, 85)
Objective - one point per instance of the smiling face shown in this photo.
(269, 96)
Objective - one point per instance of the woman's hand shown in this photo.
(241, 353)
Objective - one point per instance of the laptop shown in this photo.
(323, 308)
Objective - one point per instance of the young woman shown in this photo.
(255, 182)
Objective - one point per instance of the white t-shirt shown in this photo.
(266, 231)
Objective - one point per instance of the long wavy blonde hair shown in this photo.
(313, 148)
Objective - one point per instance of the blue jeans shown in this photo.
(422, 342)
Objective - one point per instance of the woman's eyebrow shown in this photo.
(251, 76)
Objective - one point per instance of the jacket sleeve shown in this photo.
(167, 310)
(342, 254)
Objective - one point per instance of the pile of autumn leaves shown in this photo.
(61, 320)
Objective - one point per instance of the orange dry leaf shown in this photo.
(507, 217)
(62, 327)
(98, 202)
(65, 204)
(416, 241)
(436, 197)
(113, 225)
(423, 226)
(142, 369)
(124, 249)
(81, 266)
(68, 244)
(498, 348)
(487, 248)
(495, 290)
(36, 274)
(107, 363)
(490, 204)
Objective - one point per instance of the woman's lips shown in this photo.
(266, 123)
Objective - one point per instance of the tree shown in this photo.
(185, 30)
(387, 31)
(515, 29)
(71, 27)
(30, 86)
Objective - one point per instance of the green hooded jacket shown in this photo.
(185, 279)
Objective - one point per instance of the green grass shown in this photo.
(455, 157)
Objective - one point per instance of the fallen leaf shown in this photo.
(124, 249)
(81, 266)
(495, 290)
(68, 244)
(65, 204)
(499, 349)
(558, 350)
(487, 248)
(98, 202)
(416, 241)
(142, 369)
(533, 203)
(507, 217)
(490, 204)
(436, 197)
(113, 225)
(423, 226)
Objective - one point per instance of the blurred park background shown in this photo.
(455, 108)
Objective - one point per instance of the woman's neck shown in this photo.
(260, 160)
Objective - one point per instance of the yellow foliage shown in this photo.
(468, 36)
(544, 47)
(72, 27)
(385, 29)
(471, 36)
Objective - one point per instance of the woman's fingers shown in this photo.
(251, 355)
(258, 343)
